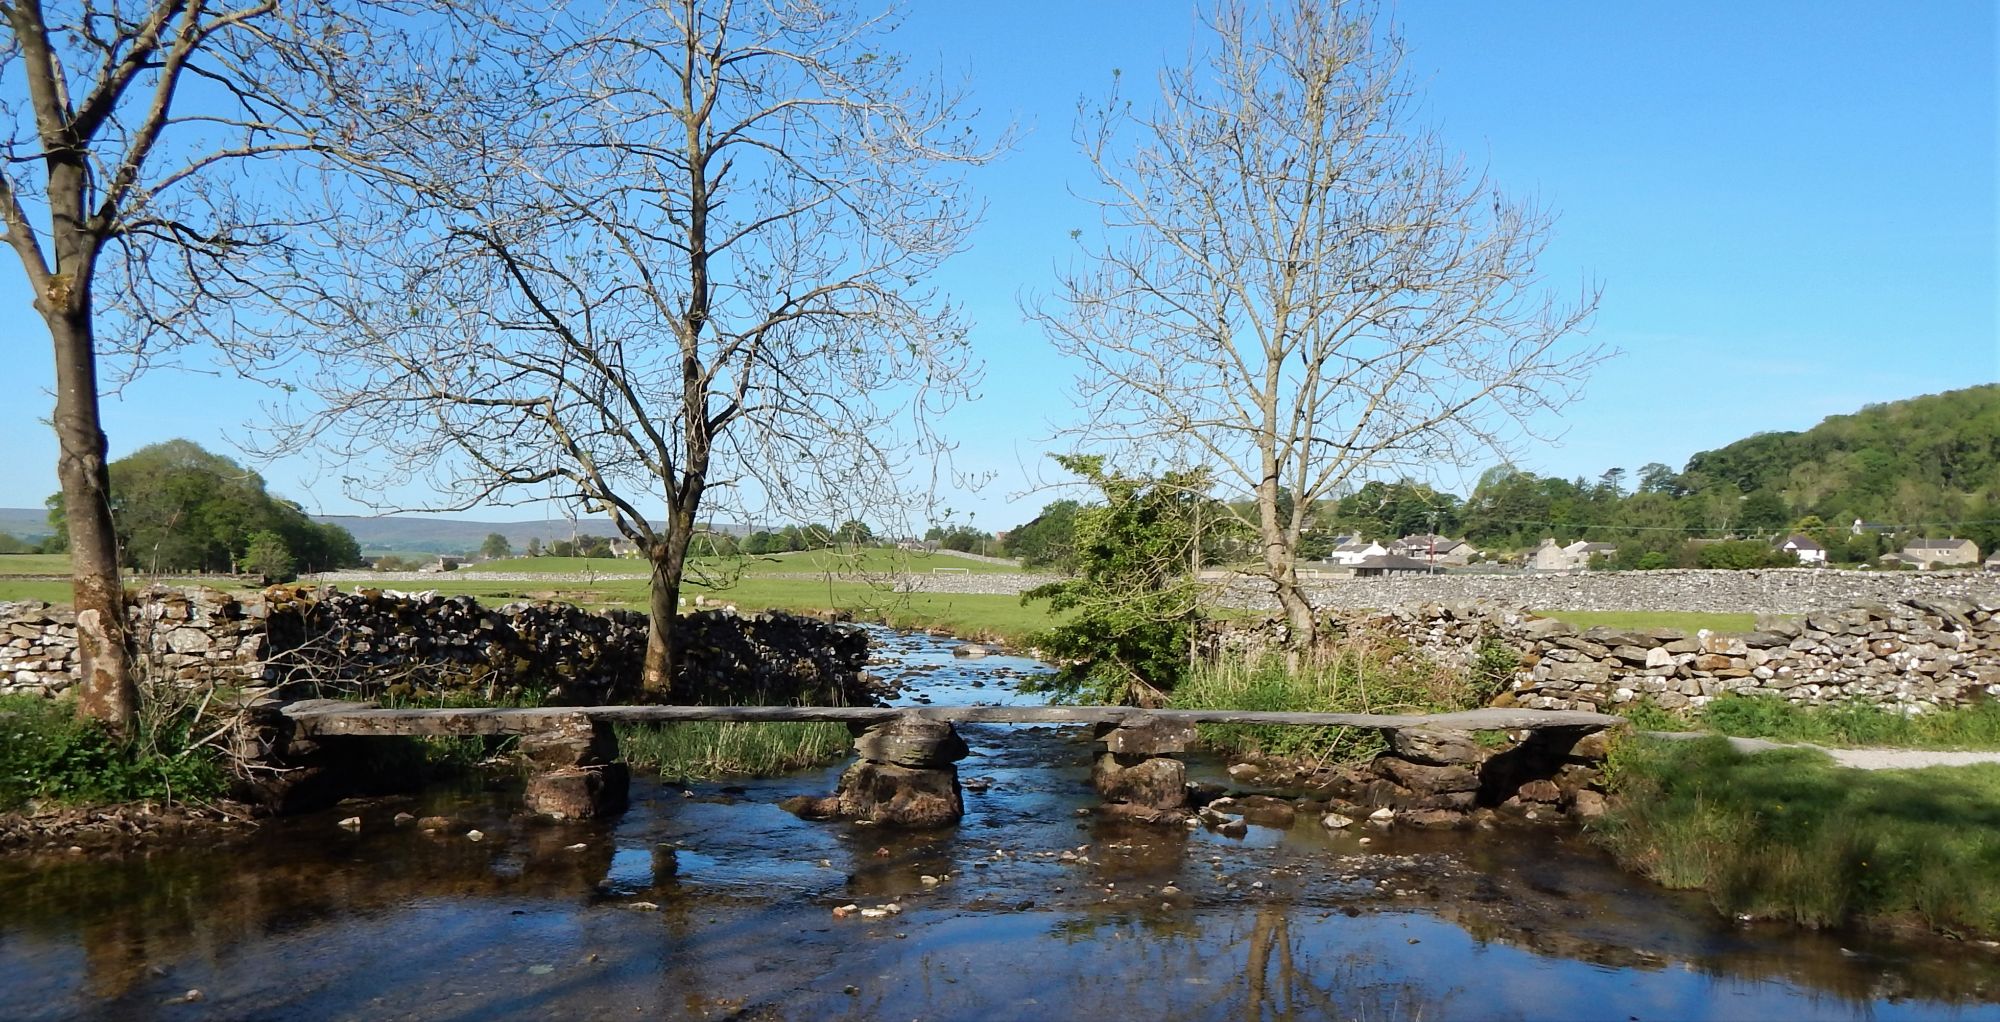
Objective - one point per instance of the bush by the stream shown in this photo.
(47, 754)
(1788, 835)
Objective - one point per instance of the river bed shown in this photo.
(710, 902)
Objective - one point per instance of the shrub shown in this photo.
(48, 754)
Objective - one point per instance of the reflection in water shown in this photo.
(718, 907)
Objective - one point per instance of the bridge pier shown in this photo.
(1136, 770)
(906, 776)
(577, 774)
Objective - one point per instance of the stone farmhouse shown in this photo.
(1939, 553)
(1433, 549)
(1574, 557)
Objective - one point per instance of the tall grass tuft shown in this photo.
(700, 749)
(1364, 674)
(1788, 835)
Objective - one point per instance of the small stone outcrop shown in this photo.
(575, 772)
(1442, 778)
(906, 776)
(1136, 771)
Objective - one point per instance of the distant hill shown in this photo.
(24, 522)
(1925, 459)
(423, 534)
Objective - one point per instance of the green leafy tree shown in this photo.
(267, 556)
(534, 546)
(495, 547)
(1047, 540)
(178, 507)
(1135, 599)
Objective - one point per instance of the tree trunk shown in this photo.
(107, 691)
(1280, 566)
(669, 559)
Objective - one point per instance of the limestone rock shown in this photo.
(1154, 782)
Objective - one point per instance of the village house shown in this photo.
(1433, 549)
(1352, 550)
(1574, 557)
(1803, 548)
(1392, 564)
(1940, 553)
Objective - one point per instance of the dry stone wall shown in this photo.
(1915, 653)
(1765, 591)
(368, 643)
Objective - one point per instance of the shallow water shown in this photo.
(711, 902)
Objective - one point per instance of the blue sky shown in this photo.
(1790, 206)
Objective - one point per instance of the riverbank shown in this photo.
(1787, 835)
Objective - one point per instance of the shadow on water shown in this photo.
(710, 902)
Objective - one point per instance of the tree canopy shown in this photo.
(177, 507)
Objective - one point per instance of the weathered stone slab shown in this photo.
(910, 742)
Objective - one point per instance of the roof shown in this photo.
(1799, 543)
(1597, 548)
(1390, 562)
(1935, 544)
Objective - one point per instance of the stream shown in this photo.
(710, 902)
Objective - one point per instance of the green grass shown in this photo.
(1852, 724)
(15, 589)
(703, 749)
(1382, 677)
(48, 755)
(862, 563)
(971, 616)
(1787, 835)
(1686, 621)
(34, 564)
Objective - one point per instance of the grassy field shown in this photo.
(34, 564)
(1788, 835)
(34, 589)
(872, 561)
(1685, 621)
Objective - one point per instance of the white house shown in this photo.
(1803, 548)
(1354, 551)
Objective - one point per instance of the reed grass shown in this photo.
(707, 749)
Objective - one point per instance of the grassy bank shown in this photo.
(1851, 725)
(1789, 836)
(48, 755)
(1378, 676)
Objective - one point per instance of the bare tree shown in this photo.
(128, 131)
(652, 259)
(1298, 287)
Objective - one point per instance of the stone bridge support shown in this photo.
(1136, 770)
(906, 776)
(576, 773)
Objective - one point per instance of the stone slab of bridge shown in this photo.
(905, 772)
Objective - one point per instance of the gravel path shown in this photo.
(1859, 759)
